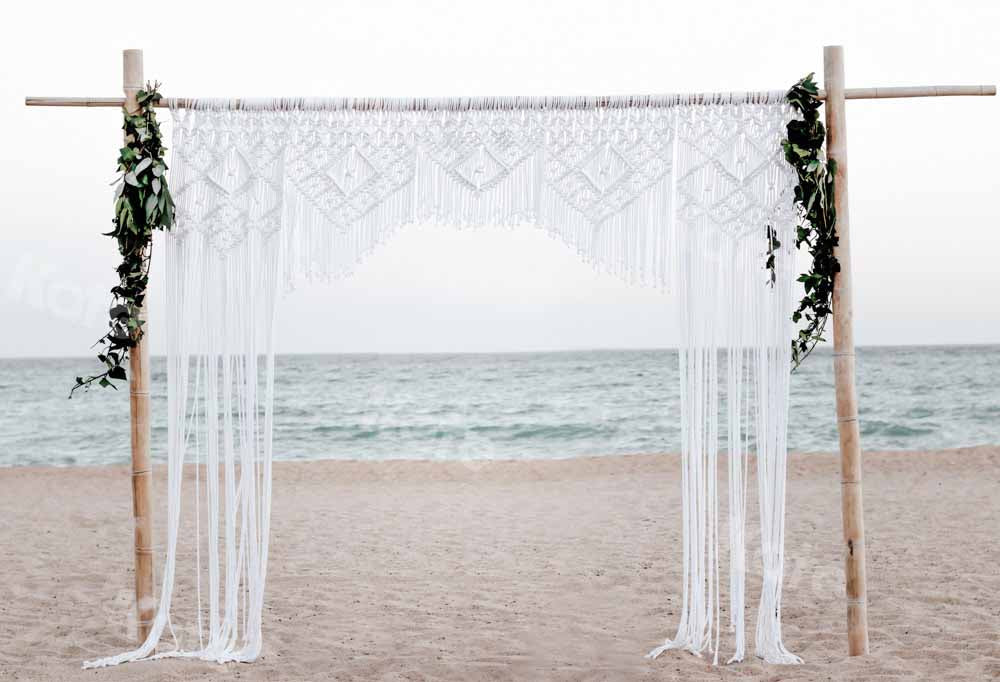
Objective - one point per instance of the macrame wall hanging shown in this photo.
(676, 192)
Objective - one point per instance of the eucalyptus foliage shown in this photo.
(803, 149)
(142, 204)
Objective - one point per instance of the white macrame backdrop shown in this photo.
(670, 191)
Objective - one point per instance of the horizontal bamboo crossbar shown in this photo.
(854, 93)
(918, 91)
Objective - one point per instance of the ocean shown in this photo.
(508, 405)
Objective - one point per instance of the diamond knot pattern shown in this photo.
(345, 169)
(720, 164)
(480, 168)
(351, 171)
(227, 178)
(731, 172)
(600, 162)
(605, 168)
(476, 150)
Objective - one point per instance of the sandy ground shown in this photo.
(516, 570)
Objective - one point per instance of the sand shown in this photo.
(516, 570)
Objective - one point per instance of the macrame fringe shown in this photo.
(736, 343)
(669, 191)
(220, 390)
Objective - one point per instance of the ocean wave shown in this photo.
(496, 432)
(873, 427)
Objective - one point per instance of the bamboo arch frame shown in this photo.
(835, 95)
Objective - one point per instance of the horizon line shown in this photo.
(606, 349)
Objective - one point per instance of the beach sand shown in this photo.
(535, 570)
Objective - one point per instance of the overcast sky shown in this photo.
(924, 177)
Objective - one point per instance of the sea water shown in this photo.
(508, 405)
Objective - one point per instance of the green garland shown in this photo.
(142, 204)
(814, 196)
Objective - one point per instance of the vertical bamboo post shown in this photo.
(142, 473)
(843, 363)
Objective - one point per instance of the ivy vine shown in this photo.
(142, 204)
(814, 197)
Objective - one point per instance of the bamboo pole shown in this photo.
(142, 473)
(854, 93)
(843, 363)
(918, 91)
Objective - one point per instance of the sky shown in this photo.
(924, 176)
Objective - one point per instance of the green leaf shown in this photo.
(142, 203)
(803, 150)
